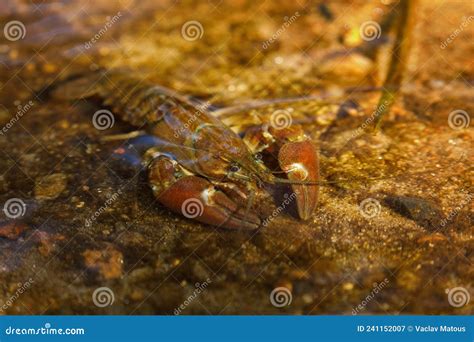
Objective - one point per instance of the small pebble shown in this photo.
(12, 230)
(307, 299)
(107, 263)
(348, 286)
(51, 186)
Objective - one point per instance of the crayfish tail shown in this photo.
(77, 88)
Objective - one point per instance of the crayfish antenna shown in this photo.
(249, 203)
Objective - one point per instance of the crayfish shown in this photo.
(198, 166)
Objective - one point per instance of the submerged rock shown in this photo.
(425, 213)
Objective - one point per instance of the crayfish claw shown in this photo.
(196, 198)
(299, 159)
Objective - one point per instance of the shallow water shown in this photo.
(76, 234)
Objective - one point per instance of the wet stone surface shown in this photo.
(396, 214)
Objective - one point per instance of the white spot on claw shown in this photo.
(298, 169)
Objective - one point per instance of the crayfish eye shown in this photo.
(234, 168)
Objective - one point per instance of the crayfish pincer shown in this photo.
(198, 166)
